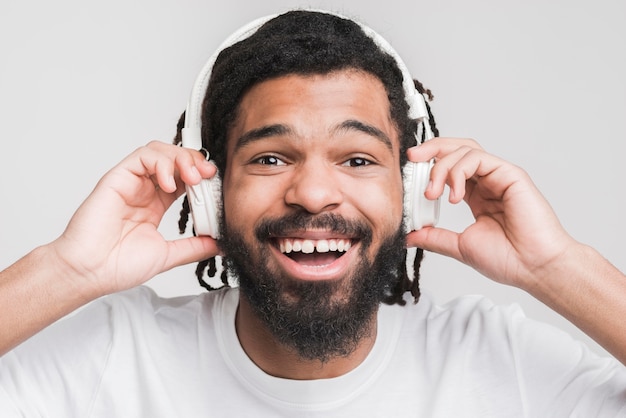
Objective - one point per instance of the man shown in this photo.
(308, 127)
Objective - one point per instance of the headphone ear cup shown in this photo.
(418, 211)
(205, 201)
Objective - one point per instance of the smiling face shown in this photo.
(313, 198)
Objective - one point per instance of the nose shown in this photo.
(314, 188)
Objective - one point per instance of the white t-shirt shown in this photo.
(134, 354)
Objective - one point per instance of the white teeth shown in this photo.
(308, 246)
(322, 246)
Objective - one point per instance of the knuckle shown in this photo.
(154, 144)
(475, 152)
(471, 143)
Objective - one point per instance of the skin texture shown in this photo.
(313, 170)
(112, 242)
(298, 145)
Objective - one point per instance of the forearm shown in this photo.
(591, 293)
(35, 292)
(111, 243)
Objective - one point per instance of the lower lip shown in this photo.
(333, 271)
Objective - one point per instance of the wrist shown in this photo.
(70, 275)
(589, 291)
(36, 291)
(560, 273)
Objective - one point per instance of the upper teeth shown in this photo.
(308, 246)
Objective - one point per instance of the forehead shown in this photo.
(312, 104)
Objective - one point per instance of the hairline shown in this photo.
(237, 108)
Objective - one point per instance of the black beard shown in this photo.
(310, 317)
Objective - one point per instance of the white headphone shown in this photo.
(205, 197)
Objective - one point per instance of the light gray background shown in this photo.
(540, 83)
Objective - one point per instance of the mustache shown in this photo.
(299, 221)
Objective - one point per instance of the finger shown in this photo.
(191, 165)
(189, 250)
(438, 148)
(164, 172)
(440, 174)
(471, 165)
(165, 163)
(489, 175)
(474, 165)
(438, 240)
(206, 167)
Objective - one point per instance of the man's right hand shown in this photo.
(111, 243)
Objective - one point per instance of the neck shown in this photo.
(279, 360)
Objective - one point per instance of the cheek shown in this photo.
(237, 204)
(234, 200)
(246, 201)
(390, 199)
(382, 205)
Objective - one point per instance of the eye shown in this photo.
(269, 160)
(357, 162)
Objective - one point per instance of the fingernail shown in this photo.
(171, 183)
(195, 172)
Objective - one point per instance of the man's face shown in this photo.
(313, 195)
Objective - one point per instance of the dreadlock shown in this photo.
(304, 43)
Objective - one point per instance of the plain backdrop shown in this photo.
(540, 83)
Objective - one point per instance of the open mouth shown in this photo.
(313, 252)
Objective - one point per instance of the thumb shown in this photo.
(437, 240)
(189, 250)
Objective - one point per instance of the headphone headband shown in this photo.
(191, 133)
(205, 198)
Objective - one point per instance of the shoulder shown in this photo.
(142, 306)
(475, 340)
(477, 320)
(144, 299)
(129, 316)
(463, 316)
(475, 330)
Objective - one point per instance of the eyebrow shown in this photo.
(355, 125)
(263, 132)
(280, 129)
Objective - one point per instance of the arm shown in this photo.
(111, 243)
(516, 239)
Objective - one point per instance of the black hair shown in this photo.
(305, 43)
